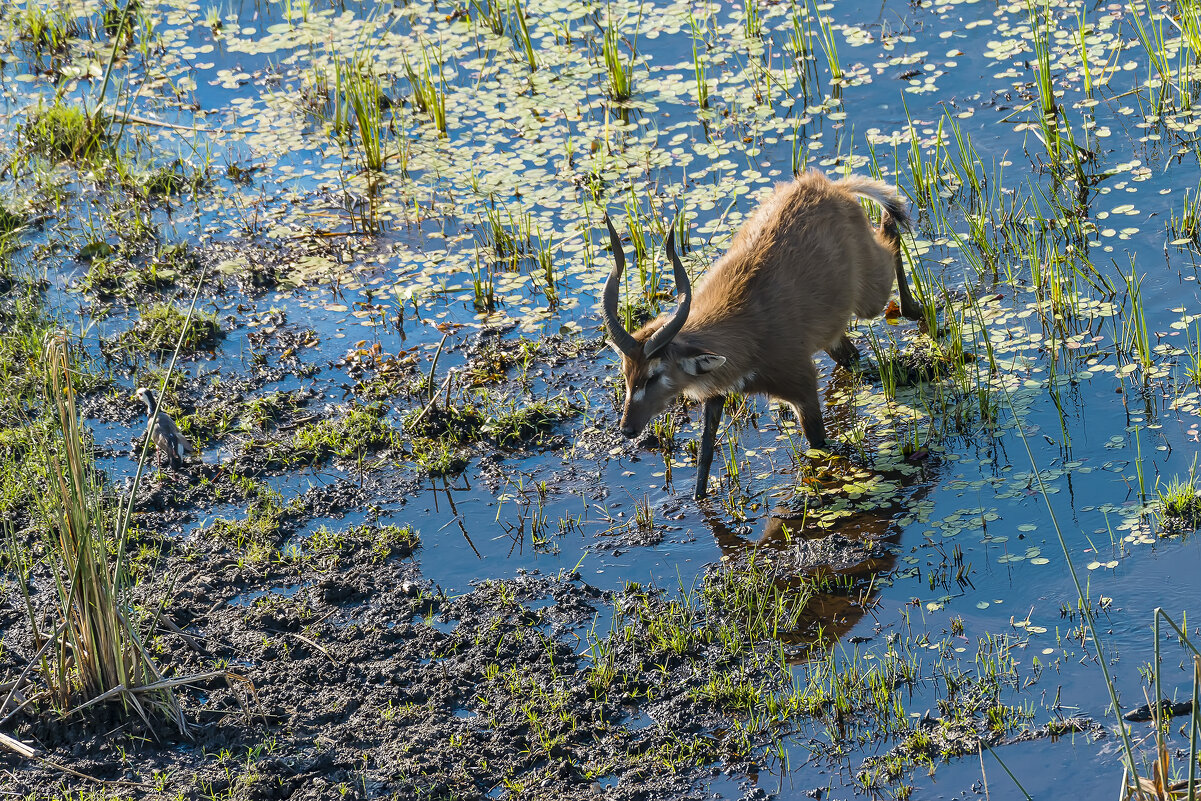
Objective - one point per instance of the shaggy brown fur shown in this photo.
(800, 267)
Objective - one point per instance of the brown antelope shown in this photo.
(803, 263)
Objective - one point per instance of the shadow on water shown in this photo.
(845, 560)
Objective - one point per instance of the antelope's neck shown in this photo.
(735, 375)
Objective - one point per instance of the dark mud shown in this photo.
(349, 676)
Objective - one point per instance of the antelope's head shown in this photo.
(655, 368)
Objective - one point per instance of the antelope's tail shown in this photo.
(883, 195)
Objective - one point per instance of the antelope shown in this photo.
(801, 265)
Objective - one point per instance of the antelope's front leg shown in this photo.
(713, 409)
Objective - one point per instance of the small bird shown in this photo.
(164, 433)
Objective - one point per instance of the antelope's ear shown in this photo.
(701, 363)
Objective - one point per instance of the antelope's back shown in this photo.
(801, 265)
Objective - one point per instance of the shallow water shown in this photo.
(527, 142)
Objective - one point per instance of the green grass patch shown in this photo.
(259, 413)
(45, 26)
(161, 325)
(390, 540)
(387, 541)
(266, 515)
(10, 222)
(440, 432)
(168, 180)
(1179, 504)
(21, 478)
(63, 132)
(202, 426)
(456, 424)
(438, 457)
(116, 275)
(492, 361)
(515, 423)
(384, 542)
(357, 432)
(24, 420)
(25, 324)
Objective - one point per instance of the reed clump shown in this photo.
(89, 647)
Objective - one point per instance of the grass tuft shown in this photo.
(161, 325)
(1179, 503)
(620, 70)
(94, 651)
(358, 432)
(63, 132)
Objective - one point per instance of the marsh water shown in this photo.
(1054, 234)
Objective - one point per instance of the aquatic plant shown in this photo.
(511, 423)
(1135, 336)
(356, 432)
(752, 19)
(266, 514)
(698, 66)
(1178, 502)
(1187, 226)
(1040, 26)
(45, 26)
(620, 70)
(829, 45)
(93, 651)
(1192, 364)
(429, 93)
(438, 457)
(800, 37)
(359, 108)
(522, 33)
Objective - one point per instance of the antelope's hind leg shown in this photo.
(844, 353)
(712, 414)
(910, 308)
(801, 393)
(891, 239)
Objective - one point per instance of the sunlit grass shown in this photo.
(1041, 28)
(429, 92)
(620, 69)
(1187, 225)
(1178, 502)
(63, 131)
(522, 33)
(358, 109)
(698, 65)
(829, 45)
